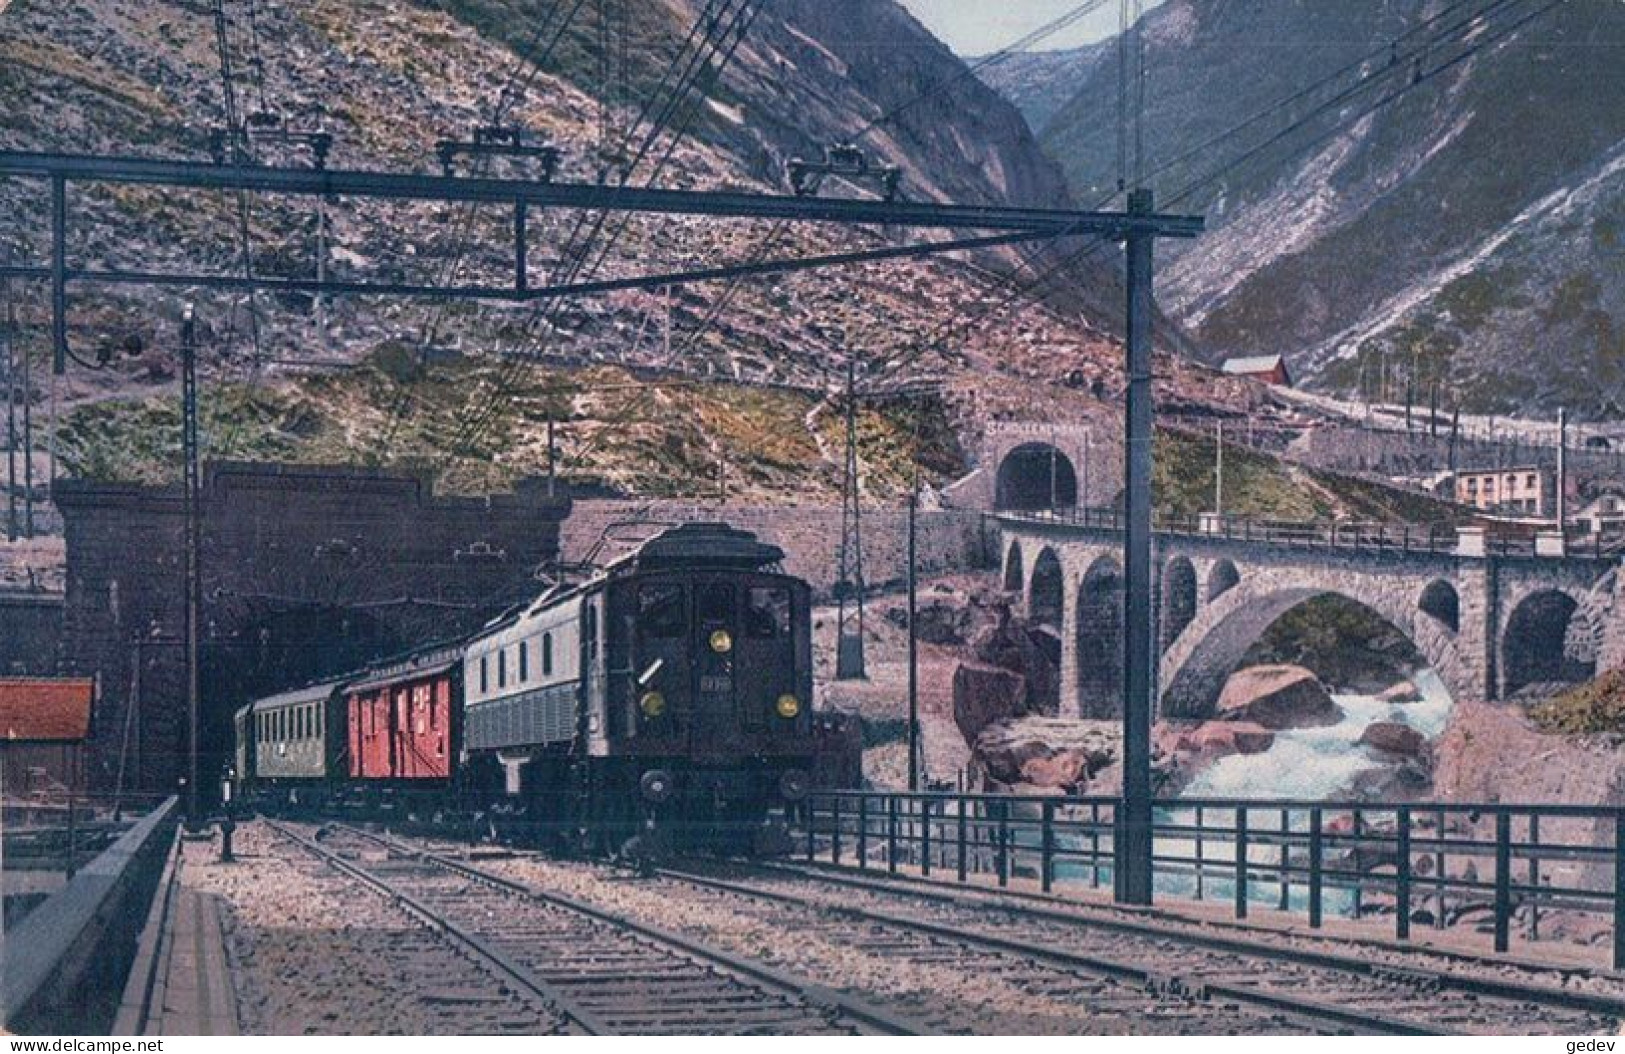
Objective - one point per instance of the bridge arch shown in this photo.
(1099, 644)
(1046, 595)
(1014, 576)
(1035, 476)
(1178, 597)
(1441, 602)
(1537, 645)
(1195, 669)
(1221, 578)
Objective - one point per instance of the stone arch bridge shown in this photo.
(1490, 623)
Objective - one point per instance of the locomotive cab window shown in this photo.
(524, 661)
(547, 654)
(714, 604)
(768, 616)
(502, 668)
(660, 611)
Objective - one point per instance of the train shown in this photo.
(663, 701)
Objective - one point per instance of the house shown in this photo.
(44, 723)
(1604, 512)
(1529, 490)
(1271, 369)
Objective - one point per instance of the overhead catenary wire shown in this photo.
(721, 40)
(1475, 43)
(1037, 35)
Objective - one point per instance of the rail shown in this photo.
(1439, 539)
(1430, 864)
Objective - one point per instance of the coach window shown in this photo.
(769, 613)
(502, 667)
(660, 611)
(547, 654)
(485, 680)
(524, 661)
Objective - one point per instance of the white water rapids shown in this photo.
(1314, 764)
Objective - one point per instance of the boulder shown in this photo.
(985, 695)
(1403, 692)
(1278, 697)
(1393, 737)
(1181, 751)
(1033, 652)
(1064, 768)
(945, 622)
(1047, 751)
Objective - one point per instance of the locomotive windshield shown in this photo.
(768, 616)
(661, 610)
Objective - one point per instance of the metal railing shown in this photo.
(1441, 539)
(1427, 863)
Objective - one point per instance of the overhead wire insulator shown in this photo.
(511, 141)
(846, 161)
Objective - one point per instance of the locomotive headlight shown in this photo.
(653, 704)
(788, 706)
(722, 642)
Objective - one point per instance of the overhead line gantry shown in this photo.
(1001, 225)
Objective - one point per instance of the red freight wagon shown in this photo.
(399, 720)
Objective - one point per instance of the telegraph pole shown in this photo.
(913, 639)
(189, 452)
(1562, 469)
(1133, 848)
(28, 434)
(1218, 468)
(11, 413)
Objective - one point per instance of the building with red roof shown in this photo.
(44, 723)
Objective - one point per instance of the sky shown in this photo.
(976, 27)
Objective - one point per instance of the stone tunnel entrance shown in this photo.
(287, 648)
(1036, 476)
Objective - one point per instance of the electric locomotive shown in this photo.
(671, 692)
(668, 695)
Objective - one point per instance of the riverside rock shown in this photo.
(1030, 651)
(1278, 697)
(1394, 737)
(1047, 751)
(1403, 692)
(985, 695)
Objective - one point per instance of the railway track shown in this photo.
(1364, 993)
(1572, 986)
(457, 989)
(601, 973)
(1058, 991)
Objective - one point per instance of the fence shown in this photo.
(1424, 862)
(1366, 537)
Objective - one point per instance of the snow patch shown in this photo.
(1556, 206)
(734, 114)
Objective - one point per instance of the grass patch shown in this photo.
(1593, 707)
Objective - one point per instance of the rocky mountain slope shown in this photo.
(1469, 232)
(466, 389)
(730, 389)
